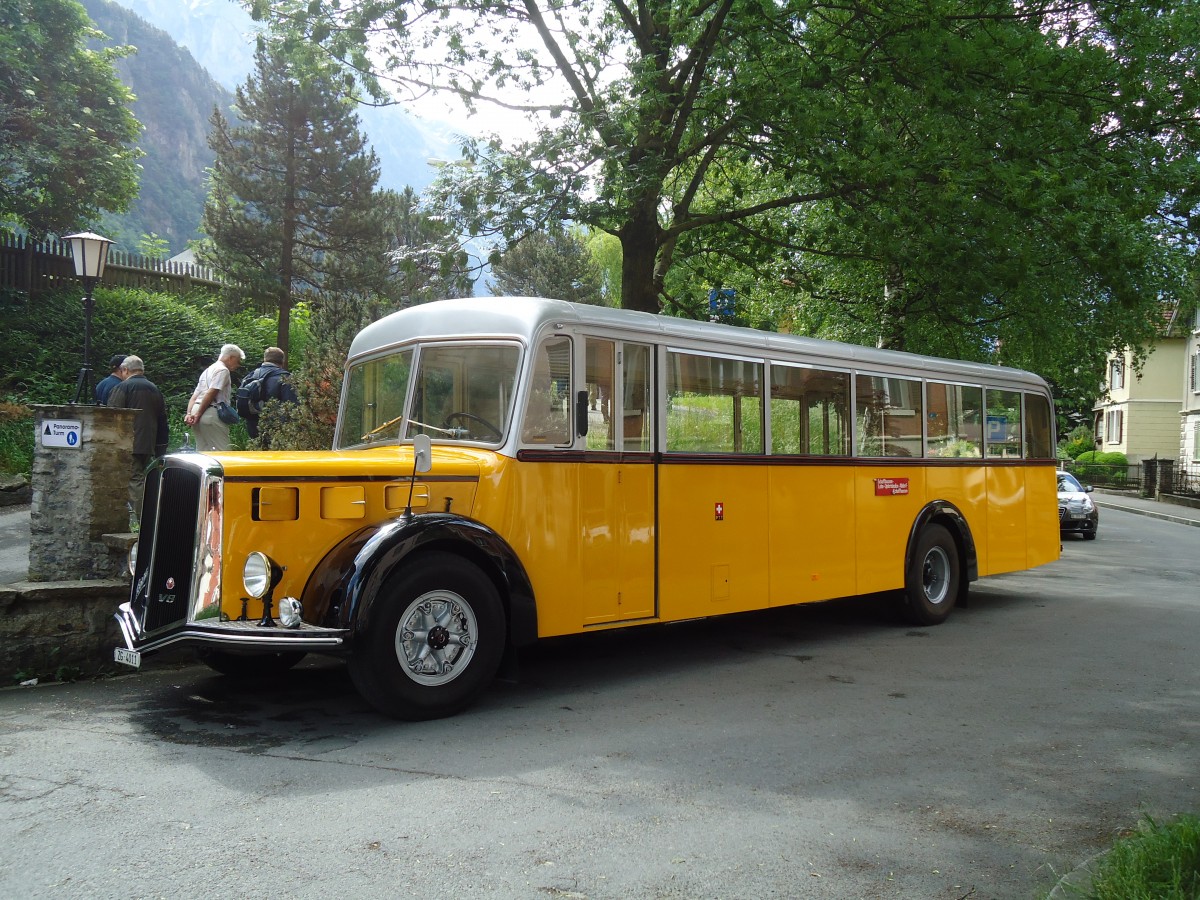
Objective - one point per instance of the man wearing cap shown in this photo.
(105, 386)
(149, 426)
(213, 388)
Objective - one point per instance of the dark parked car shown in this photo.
(1076, 510)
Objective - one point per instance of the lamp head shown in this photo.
(89, 252)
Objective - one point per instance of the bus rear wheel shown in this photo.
(931, 581)
(434, 642)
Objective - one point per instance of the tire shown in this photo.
(931, 581)
(1089, 535)
(245, 665)
(435, 639)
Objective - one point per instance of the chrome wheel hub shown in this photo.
(935, 575)
(436, 638)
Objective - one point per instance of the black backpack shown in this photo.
(250, 397)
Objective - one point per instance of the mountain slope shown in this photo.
(220, 35)
(175, 98)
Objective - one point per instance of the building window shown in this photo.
(1116, 374)
(1113, 422)
(1196, 442)
(1195, 375)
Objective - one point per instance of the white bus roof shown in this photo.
(524, 318)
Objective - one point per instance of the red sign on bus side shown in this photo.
(890, 487)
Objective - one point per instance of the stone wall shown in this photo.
(59, 629)
(80, 493)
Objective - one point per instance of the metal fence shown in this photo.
(1149, 478)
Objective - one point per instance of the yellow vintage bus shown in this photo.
(509, 469)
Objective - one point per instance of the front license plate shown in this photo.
(128, 657)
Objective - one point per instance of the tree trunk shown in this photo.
(639, 247)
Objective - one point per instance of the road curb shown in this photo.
(1150, 513)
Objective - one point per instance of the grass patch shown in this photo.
(1157, 862)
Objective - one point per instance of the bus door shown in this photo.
(617, 483)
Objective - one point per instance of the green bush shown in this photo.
(1079, 440)
(177, 337)
(16, 439)
(41, 351)
(1098, 467)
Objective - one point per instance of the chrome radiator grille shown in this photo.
(163, 579)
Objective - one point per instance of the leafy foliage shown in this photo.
(992, 180)
(16, 438)
(424, 260)
(1081, 439)
(549, 264)
(66, 133)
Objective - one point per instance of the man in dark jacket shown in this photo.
(105, 385)
(274, 383)
(150, 434)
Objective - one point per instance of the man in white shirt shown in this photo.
(213, 388)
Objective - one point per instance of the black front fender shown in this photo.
(343, 588)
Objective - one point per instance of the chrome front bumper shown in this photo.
(232, 634)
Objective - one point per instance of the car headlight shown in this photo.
(133, 559)
(260, 574)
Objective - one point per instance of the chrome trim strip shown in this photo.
(235, 634)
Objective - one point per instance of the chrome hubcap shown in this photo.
(935, 575)
(436, 638)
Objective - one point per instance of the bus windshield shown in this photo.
(460, 392)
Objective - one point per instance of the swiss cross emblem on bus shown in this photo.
(719, 511)
(890, 487)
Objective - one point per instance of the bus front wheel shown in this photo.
(435, 641)
(932, 578)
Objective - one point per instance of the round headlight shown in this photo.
(133, 559)
(257, 574)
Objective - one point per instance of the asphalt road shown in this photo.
(14, 543)
(808, 752)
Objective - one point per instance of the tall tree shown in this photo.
(549, 264)
(291, 207)
(67, 137)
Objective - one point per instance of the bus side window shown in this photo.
(808, 411)
(1003, 427)
(889, 412)
(600, 358)
(548, 407)
(1039, 441)
(637, 380)
(953, 418)
(714, 404)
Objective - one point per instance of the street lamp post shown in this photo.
(90, 253)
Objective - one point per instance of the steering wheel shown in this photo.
(471, 417)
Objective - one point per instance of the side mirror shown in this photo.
(422, 454)
(1088, 488)
(581, 413)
